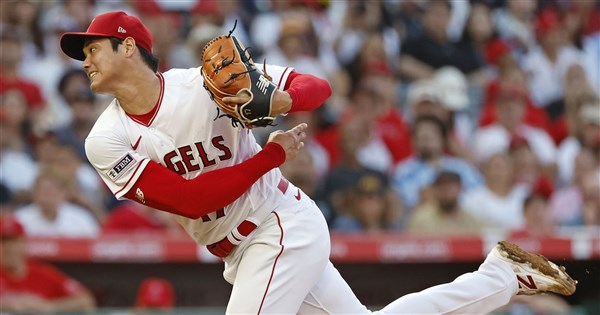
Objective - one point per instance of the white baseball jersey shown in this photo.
(186, 136)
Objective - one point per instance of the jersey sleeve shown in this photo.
(115, 160)
(278, 74)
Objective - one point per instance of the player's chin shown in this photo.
(96, 86)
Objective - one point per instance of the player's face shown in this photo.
(101, 63)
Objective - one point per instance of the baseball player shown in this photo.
(163, 142)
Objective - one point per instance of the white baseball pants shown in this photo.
(284, 268)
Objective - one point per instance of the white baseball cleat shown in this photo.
(535, 273)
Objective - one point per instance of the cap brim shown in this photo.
(72, 43)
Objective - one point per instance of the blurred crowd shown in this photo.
(447, 117)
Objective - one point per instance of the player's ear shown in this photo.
(129, 45)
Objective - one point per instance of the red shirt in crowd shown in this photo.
(41, 280)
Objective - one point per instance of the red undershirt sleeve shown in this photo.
(165, 190)
(307, 91)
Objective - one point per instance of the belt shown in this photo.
(224, 247)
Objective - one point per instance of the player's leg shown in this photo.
(332, 295)
(482, 291)
(281, 263)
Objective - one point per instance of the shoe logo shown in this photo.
(135, 146)
(297, 196)
(121, 30)
(529, 283)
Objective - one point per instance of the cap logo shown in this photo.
(121, 30)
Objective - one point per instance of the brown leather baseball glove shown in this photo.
(228, 70)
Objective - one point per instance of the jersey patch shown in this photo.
(126, 162)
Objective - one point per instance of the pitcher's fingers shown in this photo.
(234, 100)
(301, 135)
(299, 128)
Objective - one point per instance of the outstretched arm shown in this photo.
(162, 189)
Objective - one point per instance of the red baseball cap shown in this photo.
(546, 21)
(155, 293)
(496, 49)
(111, 24)
(10, 227)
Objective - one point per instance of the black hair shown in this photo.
(433, 120)
(149, 59)
(67, 76)
(533, 197)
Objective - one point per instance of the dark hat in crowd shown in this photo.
(370, 184)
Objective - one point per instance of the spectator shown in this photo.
(389, 123)
(591, 200)
(512, 77)
(432, 50)
(578, 91)
(17, 169)
(294, 45)
(167, 43)
(440, 97)
(42, 63)
(453, 87)
(478, 32)
(302, 172)
(14, 116)
(155, 294)
(587, 16)
(84, 116)
(566, 203)
(368, 108)
(51, 215)
(318, 157)
(510, 104)
(354, 134)
(499, 56)
(586, 135)
(514, 22)
(82, 184)
(369, 205)
(28, 286)
(538, 221)
(362, 19)
(198, 37)
(10, 79)
(547, 64)
(420, 170)
(441, 213)
(499, 203)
